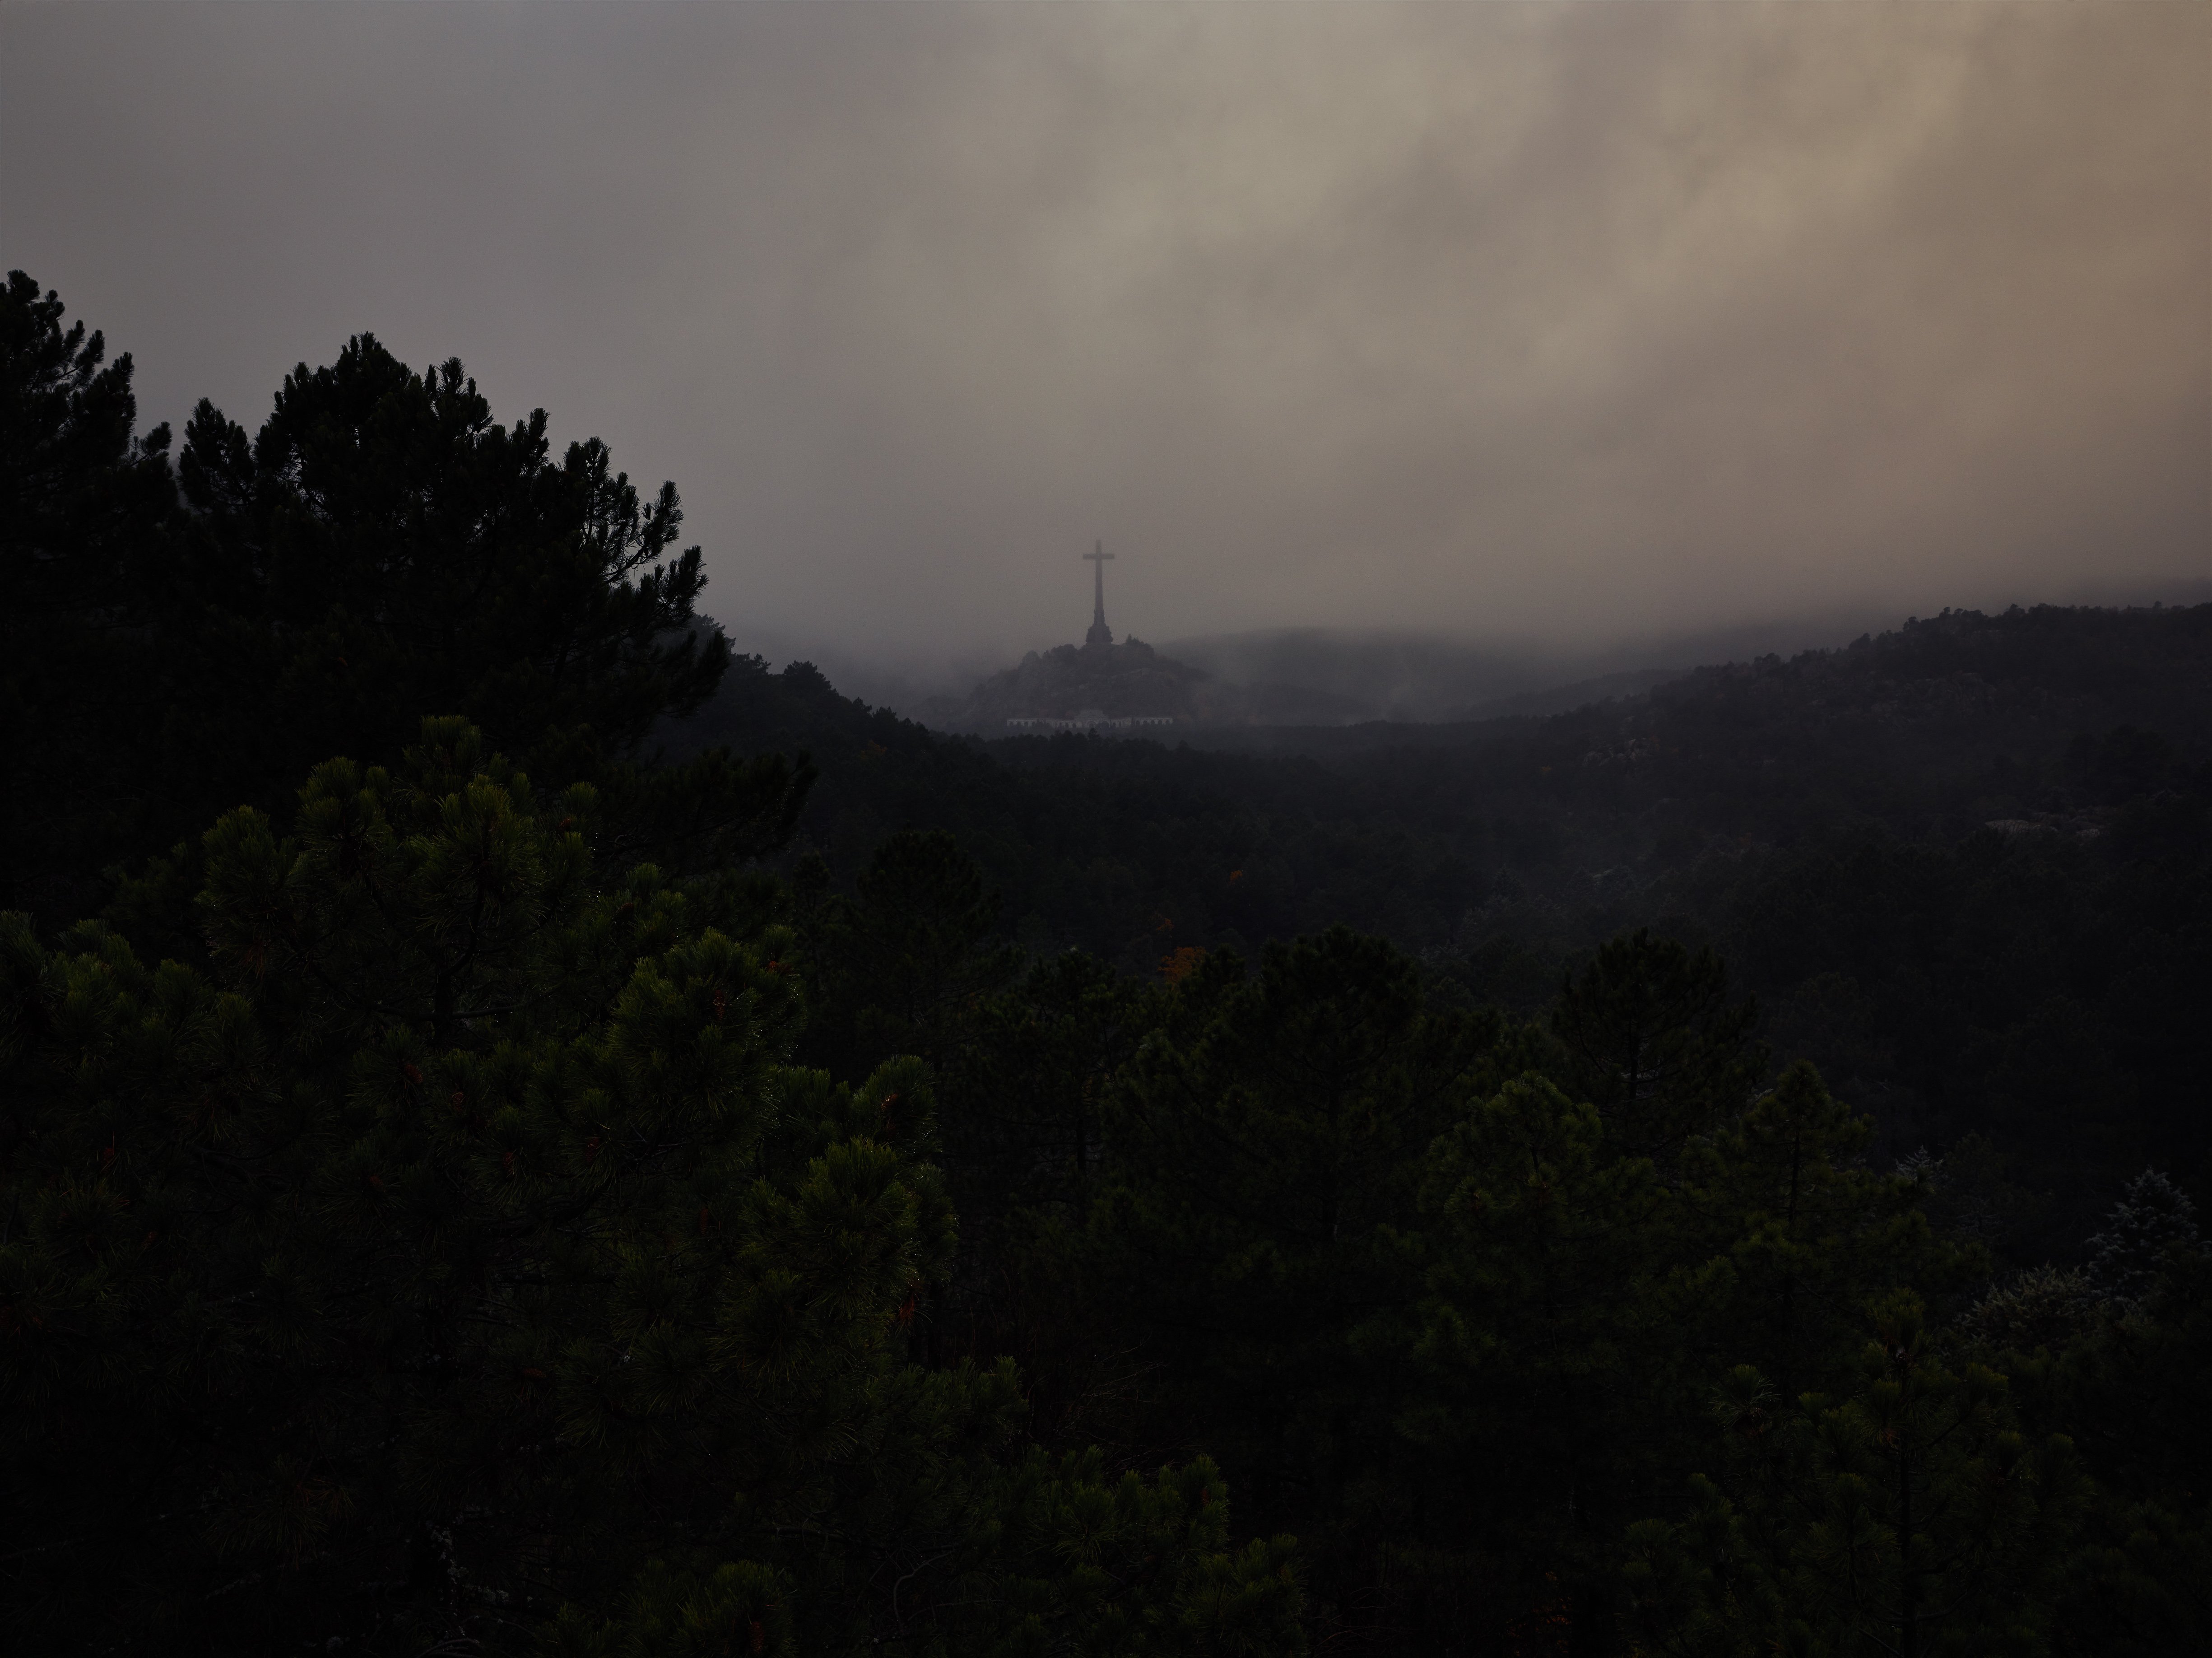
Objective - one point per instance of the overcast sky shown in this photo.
(1570, 320)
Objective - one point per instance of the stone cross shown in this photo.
(1100, 634)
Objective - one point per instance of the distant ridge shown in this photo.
(1420, 678)
(1098, 681)
(1129, 685)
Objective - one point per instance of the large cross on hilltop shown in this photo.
(1100, 634)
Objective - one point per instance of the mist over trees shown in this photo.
(522, 1131)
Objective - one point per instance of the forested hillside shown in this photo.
(1825, 822)
(520, 1132)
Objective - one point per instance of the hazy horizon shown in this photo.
(1578, 325)
(1402, 673)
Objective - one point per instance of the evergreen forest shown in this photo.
(525, 1132)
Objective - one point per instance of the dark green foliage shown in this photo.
(380, 550)
(1800, 1233)
(2043, 1310)
(1653, 1041)
(1820, 822)
(84, 506)
(1581, 1303)
(902, 963)
(1909, 1516)
(712, 813)
(517, 1219)
(382, 545)
(465, 1250)
(1445, 1315)
(1028, 1086)
(1076, 1562)
(2131, 1393)
(1267, 1145)
(2125, 1379)
(1548, 1344)
(2153, 1218)
(1025, 1102)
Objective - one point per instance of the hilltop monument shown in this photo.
(1098, 684)
(1100, 634)
(1104, 687)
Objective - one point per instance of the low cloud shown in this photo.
(1571, 322)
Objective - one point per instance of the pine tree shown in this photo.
(84, 503)
(462, 1252)
(1653, 1041)
(1790, 1233)
(904, 964)
(1592, 1269)
(1024, 1101)
(2127, 1388)
(2153, 1216)
(1908, 1516)
(1264, 1150)
(382, 551)
(2045, 1308)
(1550, 1351)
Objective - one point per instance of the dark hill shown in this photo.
(1825, 819)
(1118, 680)
(1939, 727)
(1101, 682)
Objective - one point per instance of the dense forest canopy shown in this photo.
(1963, 865)
(522, 1131)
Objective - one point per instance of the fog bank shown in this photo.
(1566, 324)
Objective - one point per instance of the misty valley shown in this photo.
(524, 1130)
